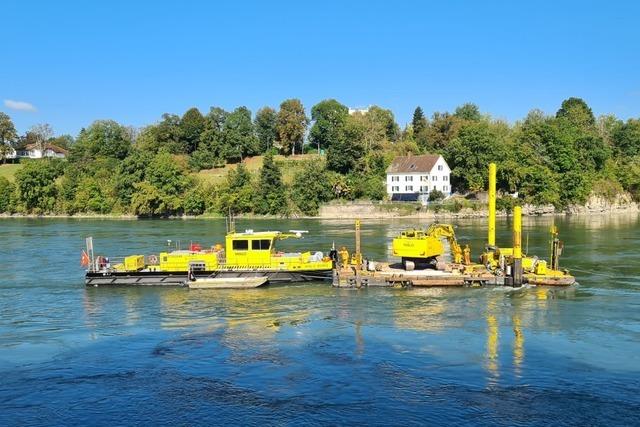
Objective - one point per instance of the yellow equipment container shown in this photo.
(134, 263)
(541, 268)
(186, 260)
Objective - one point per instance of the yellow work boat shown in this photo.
(247, 254)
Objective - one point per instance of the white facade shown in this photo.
(421, 182)
(353, 111)
(36, 153)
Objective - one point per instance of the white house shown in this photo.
(32, 151)
(412, 178)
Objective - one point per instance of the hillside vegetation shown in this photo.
(268, 163)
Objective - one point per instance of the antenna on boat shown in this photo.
(231, 222)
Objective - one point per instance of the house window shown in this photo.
(424, 188)
(424, 178)
(395, 178)
(445, 188)
(434, 178)
(445, 178)
(434, 188)
(440, 167)
(408, 188)
(395, 188)
(240, 245)
(408, 178)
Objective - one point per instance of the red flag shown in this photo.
(84, 259)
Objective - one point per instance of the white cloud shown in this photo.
(19, 105)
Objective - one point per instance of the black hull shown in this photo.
(156, 278)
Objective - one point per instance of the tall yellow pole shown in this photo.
(491, 238)
(517, 232)
(358, 242)
(516, 268)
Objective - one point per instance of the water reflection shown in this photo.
(493, 333)
(518, 345)
(423, 309)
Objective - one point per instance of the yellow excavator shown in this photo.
(417, 246)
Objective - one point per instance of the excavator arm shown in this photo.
(440, 231)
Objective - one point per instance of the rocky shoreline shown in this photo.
(622, 204)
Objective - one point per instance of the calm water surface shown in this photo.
(310, 354)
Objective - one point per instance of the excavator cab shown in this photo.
(422, 247)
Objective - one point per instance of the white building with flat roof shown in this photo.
(412, 178)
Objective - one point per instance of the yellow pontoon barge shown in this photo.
(246, 254)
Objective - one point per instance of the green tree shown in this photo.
(8, 135)
(103, 138)
(627, 138)
(165, 174)
(129, 172)
(192, 126)
(36, 185)
(239, 138)
(540, 186)
(383, 118)
(165, 135)
(344, 155)
(148, 201)
(194, 202)
(577, 112)
(271, 196)
(91, 196)
(329, 118)
(63, 141)
(373, 129)
(469, 112)
(575, 187)
(212, 149)
(291, 126)
(238, 192)
(311, 187)
(435, 195)
(265, 125)
(163, 188)
(419, 122)
(469, 154)
(442, 129)
(7, 189)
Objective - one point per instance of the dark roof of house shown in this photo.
(410, 164)
(51, 147)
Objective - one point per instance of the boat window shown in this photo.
(263, 244)
(240, 245)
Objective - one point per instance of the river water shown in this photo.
(311, 354)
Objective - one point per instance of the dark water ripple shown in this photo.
(309, 354)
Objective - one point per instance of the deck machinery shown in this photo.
(422, 251)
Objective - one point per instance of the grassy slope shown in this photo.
(9, 170)
(289, 166)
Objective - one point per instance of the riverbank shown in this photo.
(622, 204)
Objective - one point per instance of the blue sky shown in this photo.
(131, 61)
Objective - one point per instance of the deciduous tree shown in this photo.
(291, 126)
(329, 118)
(265, 125)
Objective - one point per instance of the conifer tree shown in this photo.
(419, 122)
(271, 199)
